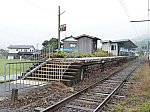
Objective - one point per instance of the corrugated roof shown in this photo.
(126, 43)
(20, 46)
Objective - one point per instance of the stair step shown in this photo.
(41, 78)
(52, 75)
(68, 69)
(50, 68)
(35, 74)
(72, 69)
(73, 65)
(68, 76)
(59, 71)
(60, 62)
(49, 79)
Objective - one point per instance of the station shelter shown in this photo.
(124, 47)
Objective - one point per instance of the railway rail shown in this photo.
(92, 98)
(95, 97)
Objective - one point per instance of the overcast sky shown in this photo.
(31, 22)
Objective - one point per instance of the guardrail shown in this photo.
(13, 77)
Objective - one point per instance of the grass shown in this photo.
(14, 68)
(138, 94)
(6, 81)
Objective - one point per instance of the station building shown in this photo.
(123, 47)
(82, 43)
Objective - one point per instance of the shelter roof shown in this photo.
(126, 43)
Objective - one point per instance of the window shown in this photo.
(113, 47)
(72, 45)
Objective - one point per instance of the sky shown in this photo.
(30, 22)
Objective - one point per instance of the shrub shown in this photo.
(60, 54)
(101, 53)
(145, 107)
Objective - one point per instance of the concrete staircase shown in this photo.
(63, 71)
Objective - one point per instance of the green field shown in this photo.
(12, 68)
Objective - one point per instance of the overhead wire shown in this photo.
(144, 16)
(125, 9)
(128, 15)
(31, 3)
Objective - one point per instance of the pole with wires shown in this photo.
(58, 28)
(148, 28)
(148, 36)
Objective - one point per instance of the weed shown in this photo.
(118, 108)
(145, 107)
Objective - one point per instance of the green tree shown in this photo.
(45, 43)
(4, 52)
(53, 42)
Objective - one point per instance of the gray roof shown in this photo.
(88, 36)
(20, 46)
(126, 43)
(69, 38)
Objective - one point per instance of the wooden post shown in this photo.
(14, 95)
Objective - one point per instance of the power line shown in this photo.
(31, 3)
(128, 15)
(125, 9)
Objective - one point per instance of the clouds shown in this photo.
(33, 21)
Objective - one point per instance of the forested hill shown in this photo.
(141, 41)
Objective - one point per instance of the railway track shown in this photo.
(95, 97)
(92, 98)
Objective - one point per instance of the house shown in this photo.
(83, 43)
(69, 44)
(20, 51)
(119, 47)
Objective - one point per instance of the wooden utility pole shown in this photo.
(58, 28)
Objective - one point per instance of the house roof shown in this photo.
(71, 38)
(126, 43)
(20, 46)
(88, 36)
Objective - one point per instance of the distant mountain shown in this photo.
(142, 42)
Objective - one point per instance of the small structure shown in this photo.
(20, 51)
(83, 43)
(87, 43)
(69, 44)
(119, 47)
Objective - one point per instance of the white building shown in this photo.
(20, 51)
(118, 47)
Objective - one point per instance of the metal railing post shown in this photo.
(5, 80)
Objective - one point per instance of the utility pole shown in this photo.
(59, 14)
(148, 26)
(58, 28)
